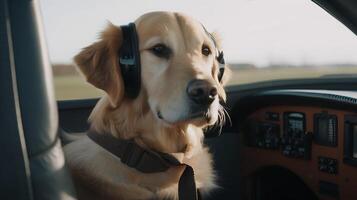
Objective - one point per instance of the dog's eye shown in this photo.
(205, 50)
(161, 50)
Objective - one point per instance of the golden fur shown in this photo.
(100, 175)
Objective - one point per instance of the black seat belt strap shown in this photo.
(187, 185)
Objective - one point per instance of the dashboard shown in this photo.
(312, 134)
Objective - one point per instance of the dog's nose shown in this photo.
(201, 91)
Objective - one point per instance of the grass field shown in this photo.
(75, 87)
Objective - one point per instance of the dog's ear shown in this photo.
(226, 75)
(99, 64)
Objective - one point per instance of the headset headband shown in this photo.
(129, 61)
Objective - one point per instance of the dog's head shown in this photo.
(179, 69)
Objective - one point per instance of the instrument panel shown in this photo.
(319, 145)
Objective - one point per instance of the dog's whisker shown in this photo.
(222, 113)
(221, 119)
(228, 116)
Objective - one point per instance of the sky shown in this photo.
(260, 32)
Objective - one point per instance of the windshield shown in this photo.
(262, 40)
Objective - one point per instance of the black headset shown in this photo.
(129, 60)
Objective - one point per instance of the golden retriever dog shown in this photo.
(180, 95)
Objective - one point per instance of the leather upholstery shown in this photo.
(41, 172)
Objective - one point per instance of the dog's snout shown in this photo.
(201, 91)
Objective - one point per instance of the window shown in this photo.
(262, 40)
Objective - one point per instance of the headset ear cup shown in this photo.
(220, 74)
(226, 75)
(221, 63)
(129, 61)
